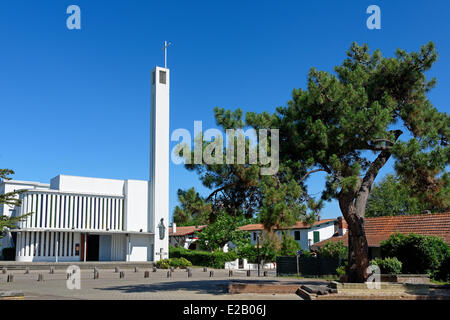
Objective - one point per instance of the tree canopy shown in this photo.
(348, 125)
(10, 199)
(193, 209)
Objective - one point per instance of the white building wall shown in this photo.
(136, 206)
(47, 246)
(87, 185)
(325, 232)
(139, 246)
(55, 210)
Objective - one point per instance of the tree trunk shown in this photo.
(358, 250)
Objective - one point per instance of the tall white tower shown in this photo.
(159, 162)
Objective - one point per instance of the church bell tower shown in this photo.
(159, 162)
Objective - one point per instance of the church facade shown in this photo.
(93, 219)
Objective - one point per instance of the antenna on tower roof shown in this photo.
(166, 45)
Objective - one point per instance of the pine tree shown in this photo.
(10, 199)
(348, 125)
(193, 209)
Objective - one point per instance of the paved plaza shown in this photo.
(135, 286)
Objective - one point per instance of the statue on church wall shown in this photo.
(162, 229)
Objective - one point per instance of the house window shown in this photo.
(254, 236)
(316, 236)
(297, 235)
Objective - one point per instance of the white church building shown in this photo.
(92, 219)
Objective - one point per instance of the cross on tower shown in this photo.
(166, 45)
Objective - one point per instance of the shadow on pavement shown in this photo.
(199, 286)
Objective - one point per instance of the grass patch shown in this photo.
(438, 282)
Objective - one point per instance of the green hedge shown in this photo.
(203, 258)
(444, 270)
(388, 265)
(419, 254)
(181, 263)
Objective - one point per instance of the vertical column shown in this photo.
(88, 212)
(70, 218)
(51, 244)
(19, 244)
(47, 244)
(85, 244)
(30, 209)
(23, 210)
(57, 211)
(37, 210)
(27, 243)
(75, 212)
(57, 246)
(96, 217)
(101, 225)
(44, 210)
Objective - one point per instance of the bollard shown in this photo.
(27, 270)
(146, 274)
(189, 274)
(10, 278)
(211, 274)
(96, 274)
(136, 269)
(52, 270)
(205, 269)
(154, 269)
(4, 270)
(230, 273)
(265, 273)
(116, 269)
(169, 274)
(248, 273)
(40, 277)
(122, 274)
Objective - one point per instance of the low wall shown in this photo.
(406, 278)
(307, 265)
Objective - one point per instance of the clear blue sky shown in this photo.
(77, 102)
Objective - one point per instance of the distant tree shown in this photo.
(225, 229)
(193, 209)
(240, 190)
(289, 246)
(10, 199)
(390, 197)
(335, 250)
(394, 196)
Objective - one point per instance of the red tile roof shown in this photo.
(298, 225)
(381, 228)
(184, 231)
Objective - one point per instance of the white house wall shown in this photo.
(326, 231)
